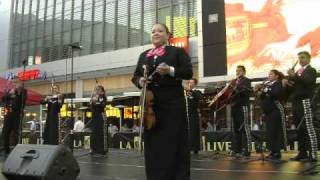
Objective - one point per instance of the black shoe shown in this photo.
(300, 157)
(195, 152)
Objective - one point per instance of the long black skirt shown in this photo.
(167, 155)
(51, 129)
(274, 131)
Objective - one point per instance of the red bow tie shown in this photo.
(300, 71)
(159, 51)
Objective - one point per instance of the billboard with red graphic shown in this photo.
(267, 34)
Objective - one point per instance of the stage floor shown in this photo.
(129, 165)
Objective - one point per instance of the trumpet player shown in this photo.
(54, 104)
(270, 93)
(304, 81)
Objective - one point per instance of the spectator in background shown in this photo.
(78, 129)
(33, 135)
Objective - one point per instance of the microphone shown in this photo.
(75, 45)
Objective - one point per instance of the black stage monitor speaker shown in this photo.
(45, 162)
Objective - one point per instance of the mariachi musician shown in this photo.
(166, 149)
(270, 94)
(14, 100)
(241, 141)
(193, 97)
(54, 104)
(98, 102)
(304, 82)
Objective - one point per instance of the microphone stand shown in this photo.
(73, 47)
(24, 63)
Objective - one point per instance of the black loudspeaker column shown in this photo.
(45, 162)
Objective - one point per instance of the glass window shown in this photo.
(58, 9)
(67, 16)
(86, 31)
(135, 23)
(122, 26)
(164, 14)
(87, 12)
(34, 12)
(76, 35)
(109, 26)
(179, 20)
(193, 27)
(98, 41)
(98, 11)
(77, 18)
(86, 40)
(149, 20)
(26, 16)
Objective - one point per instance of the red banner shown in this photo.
(180, 42)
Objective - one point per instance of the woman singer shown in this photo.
(98, 103)
(270, 93)
(54, 104)
(166, 144)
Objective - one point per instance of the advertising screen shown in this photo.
(267, 34)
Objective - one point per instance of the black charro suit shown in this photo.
(241, 142)
(166, 145)
(302, 93)
(274, 117)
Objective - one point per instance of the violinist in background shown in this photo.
(166, 146)
(193, 97)
(241, 143)
(304, 82)
(14, 100)
(54, 104)
(98, 102)
(270, 93)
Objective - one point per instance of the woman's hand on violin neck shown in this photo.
(142, 81)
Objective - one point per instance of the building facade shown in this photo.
(111, 32)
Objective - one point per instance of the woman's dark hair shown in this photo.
(278, 73)
(195, 80)
(102, 88)
(165, 27)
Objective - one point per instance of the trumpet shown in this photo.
(261, 86)
(286, 81)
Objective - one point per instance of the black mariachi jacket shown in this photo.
(99, 105)
(271, 94)
(241, 93)
(16, 102)
(304, 85)
(165, 88)
(193, 100)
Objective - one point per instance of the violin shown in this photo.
(146, 103)
(149, 115)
